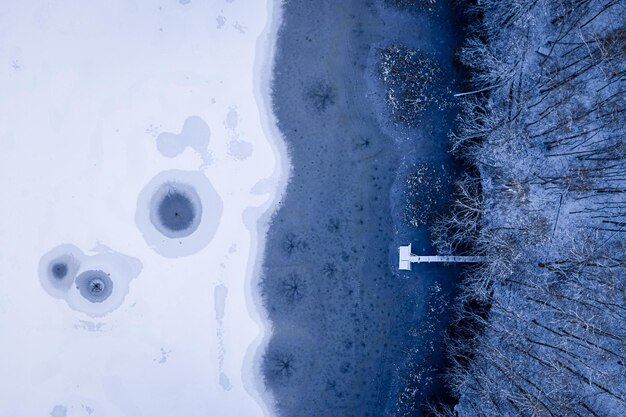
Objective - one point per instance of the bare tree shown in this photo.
(537, 330)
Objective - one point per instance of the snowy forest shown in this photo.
(539, 328)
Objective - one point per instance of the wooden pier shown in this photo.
(406, 258)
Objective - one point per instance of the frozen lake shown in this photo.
(139, 165)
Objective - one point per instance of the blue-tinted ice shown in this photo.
(93, 284)
(178, 212)
(58, 268)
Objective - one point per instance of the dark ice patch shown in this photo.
(95, 286)
(176, 210)
(59, 270)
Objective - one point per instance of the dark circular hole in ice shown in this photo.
(176, 211)
(95, 286)
(59, 270)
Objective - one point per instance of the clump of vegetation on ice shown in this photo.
(410, 77)
(424, 187)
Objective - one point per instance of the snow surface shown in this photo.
(87, 90)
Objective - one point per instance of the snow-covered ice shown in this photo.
(100, 102)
